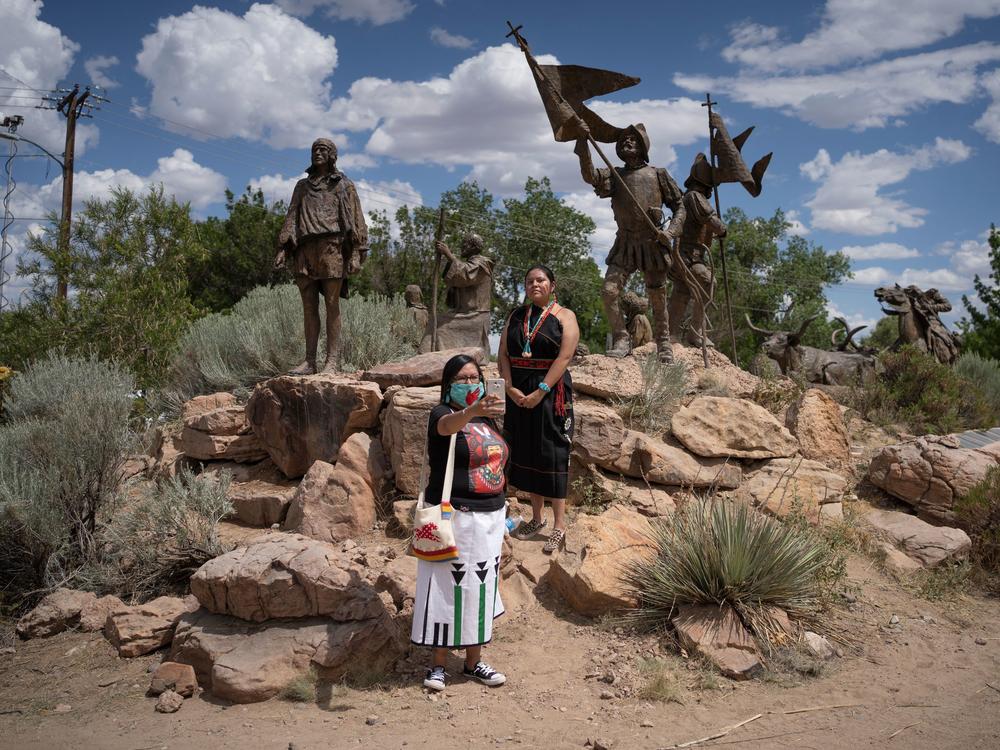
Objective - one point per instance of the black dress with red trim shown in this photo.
(540, 439)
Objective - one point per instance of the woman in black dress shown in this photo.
(536, 346)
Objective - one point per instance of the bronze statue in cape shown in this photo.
(324, 241)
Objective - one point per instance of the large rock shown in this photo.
(599, 432)
(421, 370)
(931, 472)
(167, 451)
(144, 628)
(94, 614)
(225, 420)
(338, 502)
(57, 612)
(301, 419)
(243, 662)
(588, 572)
(606, 377)
(404, 434)
(650, 500)
(203, 404)
(652, 460)
(716, 633)
(817, 423)
(721, 371)
(718, 427)
(286, 575)
(795, 485)
(202, 446)
(930, 545)
(260, 503)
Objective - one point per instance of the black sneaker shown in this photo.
(485, 674)
(435, 678)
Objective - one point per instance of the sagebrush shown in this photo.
(153, 544)
(978, 512)
(263, 335)
(62, 449)
(663, 385)
(913, 390)
(984, 373)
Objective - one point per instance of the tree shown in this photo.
(127, 272)
(538, 228)
(884, 334)
(981, 330)
(239, 252)
(770, 272)
(541, 228)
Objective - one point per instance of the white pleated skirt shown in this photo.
(457, 600)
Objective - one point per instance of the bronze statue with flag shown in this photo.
(637, 191)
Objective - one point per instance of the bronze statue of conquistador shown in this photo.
(697, 224)
(637, 246)
(324, 240)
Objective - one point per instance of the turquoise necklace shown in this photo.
(529, 335)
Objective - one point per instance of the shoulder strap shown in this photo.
(449, 472)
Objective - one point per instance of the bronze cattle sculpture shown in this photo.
(812, 364)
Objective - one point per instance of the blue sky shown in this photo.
(884, 116)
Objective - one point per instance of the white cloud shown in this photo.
(598, 209)
(940, 278)
(853, 319)
(375, 12)
(36, 53)
(487, 115)
(796, 226)
(96, 68)
(969, 257)
(447, 39)
(866, 96)
(853, 30)
(387, 195)
(849, 198)
(181, 176)
(989, 123)
(886, 250)
(261, 76)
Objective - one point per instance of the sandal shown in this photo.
(529, 528)
(556, 540)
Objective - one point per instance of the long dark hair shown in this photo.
(451, 368)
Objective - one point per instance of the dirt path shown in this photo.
(919, 684)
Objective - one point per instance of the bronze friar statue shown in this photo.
(637, 246)
(324, 240)
(469, 296)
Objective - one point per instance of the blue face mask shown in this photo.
(466, 394)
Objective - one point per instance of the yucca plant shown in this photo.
(719, 552)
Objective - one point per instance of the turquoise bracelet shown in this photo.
(543, 386)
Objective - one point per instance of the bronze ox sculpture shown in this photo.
(840, 367)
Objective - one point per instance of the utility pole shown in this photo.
(73, 105)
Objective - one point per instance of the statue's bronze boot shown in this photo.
(306, 368)
(621, 347)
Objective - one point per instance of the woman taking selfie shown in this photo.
(457, 599)
(536, 347)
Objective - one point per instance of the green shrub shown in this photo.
(154, 544)
(663, 386)
(263, 336)
(376, 330)
(985, 375)
(916, 391)
(978, 512)
(61, 453)
(718, 552)
(301, 689)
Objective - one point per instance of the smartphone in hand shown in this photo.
(497, 387)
